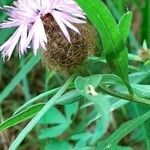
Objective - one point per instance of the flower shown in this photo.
(27, 17)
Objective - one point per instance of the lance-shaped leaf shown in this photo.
(111, 36)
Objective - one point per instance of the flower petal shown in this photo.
(61, 25)
(8, 47)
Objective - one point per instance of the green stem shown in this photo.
(131, 98)
(48, 78)
(40, 114)
(129, 88)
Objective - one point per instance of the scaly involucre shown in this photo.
(26, 16)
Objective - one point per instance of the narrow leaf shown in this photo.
(125, 24)
(20, 117)
(112, 40)
(21, 74)
(40, 114)
(124, 130)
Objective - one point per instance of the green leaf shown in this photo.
(70, 111)
(21, 74)
(25, 83)
(86, 88)
(22, 116)
(81, 139)
(123, 130)
(112, 40)
(55, 145)
(138, 77)
(82, 83)
(122, 148)
(142, 90)
(58, 121)
(111, 79)
(146, 22)
(102, 107)
(52, 132)
(2, 3)
(67, 98)
(124, 27)
(40, 114)
(125, 24)
(6, 34)
(53, 116)
(142, 132)
(35, 99)
(116, 13)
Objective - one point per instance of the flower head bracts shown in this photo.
(26, 16)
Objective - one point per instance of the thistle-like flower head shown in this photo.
(26, 16)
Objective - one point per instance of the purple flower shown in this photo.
(26, 16)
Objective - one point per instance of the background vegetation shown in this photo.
(105, 107)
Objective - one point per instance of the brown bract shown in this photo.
(61, 54)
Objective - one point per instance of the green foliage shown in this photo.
(146, 22)
(21, 74)
(123, 130)
(40, 114)
(58, 145)
(58, 120)
(93, 110)
(86, 88)
(22, 116)
(115, 51)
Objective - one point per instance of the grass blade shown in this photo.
(40, 114)
(22, 116)
(123, 130)
(21, 74)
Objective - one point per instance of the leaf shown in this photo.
(35, 99)
(122, 148)
(103, 107)
(20, 75)
(55, 145)
(25, 83)
(58, 121)
(142, 90)
(2, 3)
(114, 102)
(52, 132)
(146, 22)
(138, 77)
(111, 79)
(82, 83)
(123, 130)
(40, 114)
(70, 111)
(112, 40)
(6, 34)
(81, 139)
(67, 98)
(133, 41)
(125, 24)
(143, 131)
(53, 116)
(124, 27)
(86, 87)
(20, 117)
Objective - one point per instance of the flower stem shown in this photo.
(129, 97)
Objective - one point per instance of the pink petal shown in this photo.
(61, 25)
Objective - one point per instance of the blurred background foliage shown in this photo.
(81, 124)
